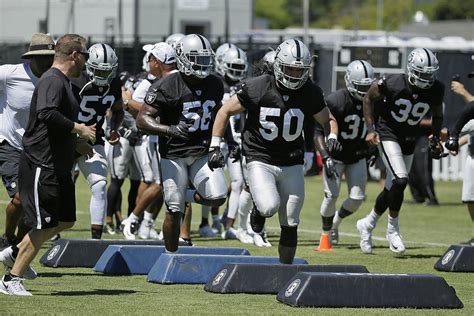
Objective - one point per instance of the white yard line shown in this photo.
(308, 231)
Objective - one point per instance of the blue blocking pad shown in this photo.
(127, 260)
(199, 269)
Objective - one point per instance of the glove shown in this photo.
(180, 131)
(436, 148)
(334, 146)
(308, 161)
(452, 144)
(133, 137)
(215, 158)
(330, 167)
(234, 152)
(373, 154)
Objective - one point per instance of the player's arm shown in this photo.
(329, 123)
(231, 107)
(373, 95)
(148, 121)
(320, 145)
(116, 119)
(466, 115)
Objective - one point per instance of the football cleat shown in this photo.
(217, 227)
(257, 221)
(365, 231)
(109, 229)
(128, 228)
(230, 233)
(6, 257)
(260, 240)
(187, 241)
(145, 229)
(395, 240)
(206, 231)
(13, 287)
(243, 236)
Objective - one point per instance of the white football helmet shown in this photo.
(359, 77)
(234, 63)
(422, 67)
(219, 57)
(195, 56)
(102, 64)
(292, 64)
(173, 39)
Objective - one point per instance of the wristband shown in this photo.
(371, 128)
(332, 136)
(216, 141)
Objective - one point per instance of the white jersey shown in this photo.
(17, 84)
(140, 92)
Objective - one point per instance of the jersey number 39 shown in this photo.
(408, 112)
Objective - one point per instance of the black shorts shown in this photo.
(9, 160)
(46, 197)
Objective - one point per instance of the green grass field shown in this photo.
(427, 231)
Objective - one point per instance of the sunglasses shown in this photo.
(86, 54)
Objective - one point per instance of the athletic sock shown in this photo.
(148, 216)
(133, 218)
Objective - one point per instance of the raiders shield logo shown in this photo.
(198, 92)
(285, 98)
(358, 107)
(150, 97)
(415, 96)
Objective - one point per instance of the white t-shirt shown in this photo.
(17, 84)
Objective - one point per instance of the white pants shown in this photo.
(277, 189)
(398, 165)
(125, 160)
(177, 173)
(94, 169)
(468, 180)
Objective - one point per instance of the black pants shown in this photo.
(420, 177)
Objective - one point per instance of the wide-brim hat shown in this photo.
(41, 45)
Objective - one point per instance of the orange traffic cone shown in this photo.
(324, 243)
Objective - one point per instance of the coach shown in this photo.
(45, 181)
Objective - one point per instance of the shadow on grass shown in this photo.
(73, 274)
(93, 292)
(405, 256)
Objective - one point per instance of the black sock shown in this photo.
(343, 212)
(96, 233)
(327, 222)
(15, 251)
(9, 277)
(204, 222)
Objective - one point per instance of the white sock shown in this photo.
(373, 217)
(245, 205)
(336, 221)
(98, 203)
(133, 218)
(148, 216)
(392, 223)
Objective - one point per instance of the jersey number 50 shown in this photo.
(270, 129)
(408, 112)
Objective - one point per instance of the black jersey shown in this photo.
(48, 141)
(177, 100)
(404, 107)
(94, 101)
(352, 129)
(235, 121)
(275, 117)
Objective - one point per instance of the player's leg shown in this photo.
(356, 178)
(290, 183)
(175, 182)
(331, 193)
(264, 191)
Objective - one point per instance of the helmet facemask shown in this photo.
(422, 77)
(194, 61)
(102, 64)
(291, 76)
(358, 88)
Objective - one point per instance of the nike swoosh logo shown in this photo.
(393, 246)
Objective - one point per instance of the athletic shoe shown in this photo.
(230, 233)
(4, 242)
(206, 231)
(128, 229)
(395, 240)
(243, 236)
(334, 236)
(187, 241)
(55, 237)
(365, 230)
(154, 234)
(257, 221)
(260, 240)
(6, 257)
(109, 229)
(217, 227)
(161, 236)
(145, 227)
(13, 287)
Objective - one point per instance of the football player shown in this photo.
(346, 106)
(272, 139)
(180, 108)
(407, 98)
(98, 89)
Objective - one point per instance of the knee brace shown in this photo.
(289, 236)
